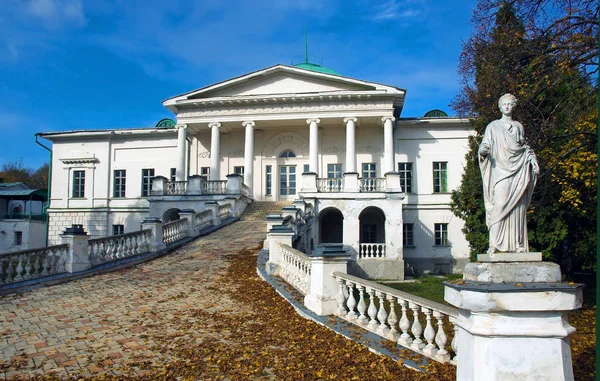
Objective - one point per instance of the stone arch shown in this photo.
(286, 140)
(331, 226)
(170, 215)
(372, 225)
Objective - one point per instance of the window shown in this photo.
(269, 173)
(407, 235)
(18, 238)
(238, 170)
(287, 153)
(78, 184)
(118, 229)
(441, 234)
(334, 171)
(306, 168)
(405, 170)
(369, 170)
(119, 183)
(173, 174)
(204, 171)
(287, 180)
(440, 172)
(147, 175)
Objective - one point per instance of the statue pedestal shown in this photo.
(512, 322)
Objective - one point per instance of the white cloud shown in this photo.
(395, 10)
(58, 13)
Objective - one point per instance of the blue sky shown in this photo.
(89, 64)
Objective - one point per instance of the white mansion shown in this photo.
(293, 132)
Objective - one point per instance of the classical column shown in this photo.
(249, 156)
(215, 148)
(388, 144)
(314, 144)
(350, 144)
(181, 148)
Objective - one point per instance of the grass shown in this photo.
(426, 286)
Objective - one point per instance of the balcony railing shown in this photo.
(214, 187)
(330, 185)
(371, 250)
(372, 184)
(176, 187)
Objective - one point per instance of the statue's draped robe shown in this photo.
(508, 182)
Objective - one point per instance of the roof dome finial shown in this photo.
(312, 63)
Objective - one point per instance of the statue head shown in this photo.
(507, 103)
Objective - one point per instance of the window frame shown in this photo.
(119, 183)
(18, 238)
(408, 235)
(173, 174)
(440, 177)
(238, 170)
(289, 190)
(406, 176)
(334, 171)
(78, 186)
(268, 180)
(147, 181)
(440, 234)
(367, 170)
(205, 171)
(118, 229)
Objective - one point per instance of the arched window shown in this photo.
(287, 153)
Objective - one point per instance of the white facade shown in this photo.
(273, 125)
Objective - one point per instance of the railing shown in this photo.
(214, 187)
(23, 216)
(176, 187)
(295, 268)
(174, 230)
(34, 263)
(371, 250)
(203, 219)
(330, 185)
(108, 249)
(387, 316)
(224, 211)
(372, 184)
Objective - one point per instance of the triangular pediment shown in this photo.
(278, 80)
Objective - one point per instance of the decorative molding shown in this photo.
(204, 155)
(303, 107)
(332, 150)
(213, 124)
(369, 149)
(80, 160)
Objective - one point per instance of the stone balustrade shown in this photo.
(176, 188)
(374, 184)
(174, 231)
(203, 219)
(34, 263)
(295, 268)
(214, 187)
(108, 249)
(224, 211)
(330, 185)
(385, 312)
(371, 250)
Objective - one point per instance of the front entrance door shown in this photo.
(287, 180)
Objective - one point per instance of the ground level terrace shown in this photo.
(200, 312)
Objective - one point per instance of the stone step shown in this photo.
(258, 210)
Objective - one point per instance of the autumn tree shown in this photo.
(519, 48)
(15, 172)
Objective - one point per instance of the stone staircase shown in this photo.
(258, 210)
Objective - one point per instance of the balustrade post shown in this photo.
(404, 338)
(213, 206)
(440, 338)
(156, 236)
(234, 184)
(362, 306)
(352, 314)
(429, 333)
(351, 182)
(416, 328)
(195, 183)
(508, 301)
(393, 319)
(309, 182)
(159, 186)
(190, 215)
(392, 183)
(325, 259)
(279, 234)
(341, 299)
(77, 255)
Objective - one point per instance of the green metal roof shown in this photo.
(23, 193)
(317, 68)
(435, 114)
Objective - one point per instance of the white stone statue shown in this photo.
(509, 170)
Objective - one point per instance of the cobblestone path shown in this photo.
(101, 324)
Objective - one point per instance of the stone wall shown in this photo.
(94, 223)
